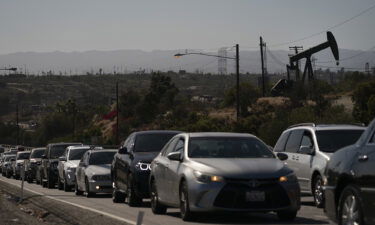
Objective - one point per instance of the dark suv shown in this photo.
(130, 168)
(350, 181)
(50, 159)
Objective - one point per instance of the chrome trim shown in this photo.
(368, 189)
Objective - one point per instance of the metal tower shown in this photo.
(222, 62)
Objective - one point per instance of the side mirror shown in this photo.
(123, 151)
(306, 150)
(62, 158)
(175, 156)
(44, 157)
(282, 156)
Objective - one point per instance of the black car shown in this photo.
(48, 173)
(130, 168)
(350, 182)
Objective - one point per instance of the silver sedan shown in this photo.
(207, 172)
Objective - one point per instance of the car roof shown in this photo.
(218, 134)
(63, 143)
(38, 149)
(103, 150)
(158, 132)
(23, 152)
(328, 127)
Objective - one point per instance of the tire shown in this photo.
(350, 200)
(133, 199)
(156, 206)
(59, 184)
(50, 183)
(118, 196)
(76, 190)
(89, 194)
(318, 192)
(287, 215)
(185, 212)
(66, 187)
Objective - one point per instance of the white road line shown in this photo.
(79, 206)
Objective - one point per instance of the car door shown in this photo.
(304, 161)
(291, 148)
(160, 171)
(172, 172)
(364, 170)
(123, 164)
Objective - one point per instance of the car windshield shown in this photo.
(58, 150)
(100, 158)
(24, 155)
(76, 154)
(228, 147)
(37, 153)
(151, 142)
(332, 140)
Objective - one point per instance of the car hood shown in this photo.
(145, 157)
(20, 161)
(99, 169)
(260, 168)
(72, 163)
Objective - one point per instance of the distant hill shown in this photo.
(126, 61)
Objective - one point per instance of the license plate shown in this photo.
(255, 196)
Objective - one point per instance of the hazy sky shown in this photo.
(79, 25)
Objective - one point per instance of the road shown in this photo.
(104, 205)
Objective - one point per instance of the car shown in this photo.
(213, 172)
(309, 147)
(93, 174)
(131, 165)
(6, 165)
(48, 173)
(32, 164)
(349, 183)
(67, 166)
(18, 164)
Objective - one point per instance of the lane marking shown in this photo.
(77, 205)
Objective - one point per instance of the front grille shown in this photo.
(101, 177)
(233, 194)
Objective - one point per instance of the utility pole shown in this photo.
(238, 81)
(296, 49)
(261, 56)
(117, 109)
(18, 127)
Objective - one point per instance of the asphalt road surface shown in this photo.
(103, 204)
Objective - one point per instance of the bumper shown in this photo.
(330, 208)
(101, 186)
(231, 196)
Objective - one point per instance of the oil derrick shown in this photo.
(222, 62)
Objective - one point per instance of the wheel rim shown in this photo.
(318, 192)
(350, 211)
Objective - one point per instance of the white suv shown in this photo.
(309, 147)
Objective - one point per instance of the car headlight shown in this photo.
(288, 178)
(143, 166)
(204, 178)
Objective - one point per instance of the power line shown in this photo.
(275, 59)
(350, 57)
(329, 28)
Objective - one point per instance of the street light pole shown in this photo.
(238, 82)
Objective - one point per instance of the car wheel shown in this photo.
(133, 199)
(76, 190)
(318, 192)
(66, 187)
(350, 207)
(185, 212)
(50, 183)
(287, 215)
(118, 196)
(59, 184)
(88, 193)
(156, 206)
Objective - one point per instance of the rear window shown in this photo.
(58, 150)
(332, 140)
(100, 158)
(151, 142)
